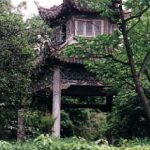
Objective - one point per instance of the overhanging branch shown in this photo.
(144, 63)
(139, 14)
(117, 60)
(110, 56)
(133, 25)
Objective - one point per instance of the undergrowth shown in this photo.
(45, 142)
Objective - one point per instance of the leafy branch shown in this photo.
(144, 63)
(139, 14)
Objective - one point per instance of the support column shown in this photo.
(56, 106)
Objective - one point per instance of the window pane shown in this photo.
(89, 28)
(57, 35)
(80, 28)
(97, 27)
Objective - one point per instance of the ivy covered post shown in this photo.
(56, 106)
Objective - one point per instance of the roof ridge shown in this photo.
(53, 13)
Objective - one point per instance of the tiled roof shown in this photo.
(68, 5)
(78, 6)
(55, 13)
(51, 13)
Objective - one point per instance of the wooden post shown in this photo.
(21, 128)
(56, 106)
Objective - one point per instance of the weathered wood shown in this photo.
(21, 128)
(56, 106)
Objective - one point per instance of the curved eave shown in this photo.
(52, 13)
(56, 13)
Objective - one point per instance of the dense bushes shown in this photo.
(47, 143)
(127, 119)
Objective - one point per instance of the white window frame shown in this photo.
(93, 27)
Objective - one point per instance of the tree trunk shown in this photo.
(21, 128)
(136, 78)
(56, 103)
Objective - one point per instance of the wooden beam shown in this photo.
(56, 106)
(87, 90)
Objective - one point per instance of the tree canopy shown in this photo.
(16, 56)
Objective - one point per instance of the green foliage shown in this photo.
(134, 142)
(44, 142)
(47, 122)
(81, 123)
(114, 67)
(37, 122)
(16, 57)
(5, 6)
(5, 145)
(37, 29)
(127, 119)
(107, 66)
(100, 6)
(106, 56)
(67, 126)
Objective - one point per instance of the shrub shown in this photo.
(45, 142)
